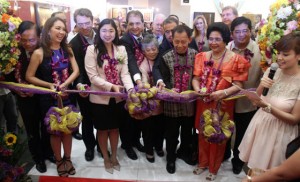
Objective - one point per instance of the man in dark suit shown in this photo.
(157, 27)
(84, 20)
(129, 131)
(169, 24)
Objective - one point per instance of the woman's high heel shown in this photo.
(62, 172)
(108, 166)
(116, 165)
(70, 170)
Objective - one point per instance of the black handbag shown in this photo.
(292, 147)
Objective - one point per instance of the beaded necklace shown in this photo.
(181, 83)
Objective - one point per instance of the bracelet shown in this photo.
(249, 178)
(225, 92)
(268, 108)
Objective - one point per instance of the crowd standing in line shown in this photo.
(119, 56)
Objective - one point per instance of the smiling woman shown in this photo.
(106, 67)
(49, 67)
(210, 77)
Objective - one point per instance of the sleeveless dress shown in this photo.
(266, 137)
(58, 62)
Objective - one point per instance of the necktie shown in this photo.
(139, 40)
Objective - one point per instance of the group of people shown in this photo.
(215, 60)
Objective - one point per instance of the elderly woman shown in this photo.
(214, 73)
(152, 127)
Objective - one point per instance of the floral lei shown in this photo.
(110, 70)
(201, 44)
(85, 44)
(139, 56)
(181, 83)
(248, 55)
(150, 73)
(18, 69)
(55, 63)
(216, 75)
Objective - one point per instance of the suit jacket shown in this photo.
(163, 48)
(97, 76)
(79, 53)
(128, 42)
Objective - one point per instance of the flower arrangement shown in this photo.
(141, 102)
(62, 120)
(11, 149)
(283, 19)
(216, 126)
(9, 52)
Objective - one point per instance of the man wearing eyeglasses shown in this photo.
(244, 109)
(84, 20)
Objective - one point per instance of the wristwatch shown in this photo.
(268, 108)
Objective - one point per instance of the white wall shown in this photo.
(248, 6)
(257, 7)
(184, 12)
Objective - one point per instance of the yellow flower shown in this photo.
(10, 139)
(264, 29)
(13, 61)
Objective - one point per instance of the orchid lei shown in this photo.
(200, 46)
(139, 56)
(110, 70)
(181, 83)
(85, 44)
(56, 59)
(150, 73)
(248, 54)
(216, 74)
(18, 68)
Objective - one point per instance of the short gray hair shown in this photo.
(149, 39)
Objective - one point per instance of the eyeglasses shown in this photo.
(86, 24)
(217, 39)
(24, 41)
(245, 31)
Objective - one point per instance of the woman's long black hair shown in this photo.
(100, 48)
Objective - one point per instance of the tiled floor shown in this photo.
(138, 170)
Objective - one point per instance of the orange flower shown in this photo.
(5, 18)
